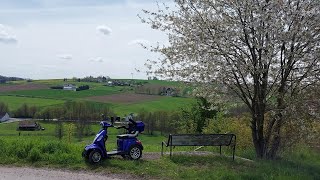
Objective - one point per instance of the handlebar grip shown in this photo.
(132, 121)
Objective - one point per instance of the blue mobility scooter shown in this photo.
(128, 146)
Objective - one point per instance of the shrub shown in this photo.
(54, 146)
(56, 87)
(84, 87)
(34, 155)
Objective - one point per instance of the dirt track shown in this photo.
(25, 173)
(22, 87)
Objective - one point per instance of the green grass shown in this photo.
(43, 149)
(163, 104)
(15, 102)
(37, 152)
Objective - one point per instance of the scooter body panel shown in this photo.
(98, 143)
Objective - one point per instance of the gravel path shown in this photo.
(25, 173)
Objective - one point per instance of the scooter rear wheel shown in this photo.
(95, 157)
(135, 152)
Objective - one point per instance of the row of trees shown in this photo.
(82, 113)
(193, 119)
(4, 79)
(99, 79)
(24, 111)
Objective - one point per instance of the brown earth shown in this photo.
(22, 87)
(124, 98)
(27, 173)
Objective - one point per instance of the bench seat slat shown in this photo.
(201, 140)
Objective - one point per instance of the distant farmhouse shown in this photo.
(4, 117)
(70, 87)
(157, 90)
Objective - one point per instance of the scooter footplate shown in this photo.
(110, 153)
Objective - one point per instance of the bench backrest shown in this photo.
(200, 139)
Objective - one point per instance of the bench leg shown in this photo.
(161, 148)
(220, 150)
(170, 151)
(234, 150)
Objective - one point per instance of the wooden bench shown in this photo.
(200, 140)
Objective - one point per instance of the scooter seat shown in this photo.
(124, 136)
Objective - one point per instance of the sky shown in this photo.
(47, 39)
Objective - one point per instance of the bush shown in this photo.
(34, 155)
(85, 87)
(53, 147)
(56, 87)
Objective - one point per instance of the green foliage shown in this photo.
(59, 130)
(198, 115)
(34, 155)
(25, 111)
(238, 126)
(14, 102)
(3, 108)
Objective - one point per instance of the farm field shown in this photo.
(121, 99)
(127, 98)
(14, 102)
(162, 104)
(17, 87)
(62, 94)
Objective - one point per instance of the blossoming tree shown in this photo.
(264, 51)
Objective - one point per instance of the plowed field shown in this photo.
(22, 87)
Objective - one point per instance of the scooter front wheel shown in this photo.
(135, 152)
(95, 156)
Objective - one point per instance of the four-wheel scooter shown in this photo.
(128, 146)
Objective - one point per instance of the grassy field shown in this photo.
(43, 149)
(163, 104)
(15, 102)
(50, 97)
(62, 94)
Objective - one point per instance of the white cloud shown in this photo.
(98, 59)
(139, 42)
(104, 29)
(5, 35)
(65, 56)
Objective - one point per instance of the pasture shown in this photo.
(121, 99)
(14, 102)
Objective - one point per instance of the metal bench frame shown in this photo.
(215, 142)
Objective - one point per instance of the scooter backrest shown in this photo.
(140, 126)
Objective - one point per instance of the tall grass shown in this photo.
(31, 151)
(55, 153)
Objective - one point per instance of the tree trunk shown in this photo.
(257, 136)
(257, 127)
